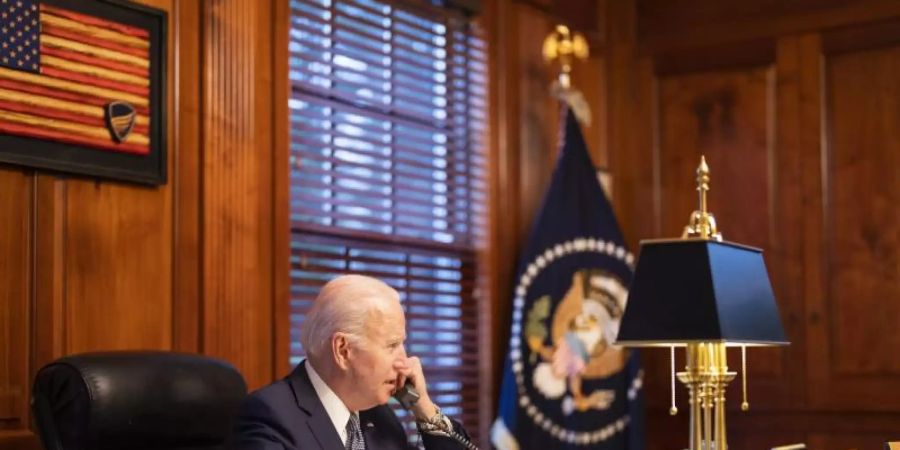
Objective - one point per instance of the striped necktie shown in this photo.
(355, 439)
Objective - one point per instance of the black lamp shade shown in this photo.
(693, 290)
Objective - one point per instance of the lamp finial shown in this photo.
(702, 224)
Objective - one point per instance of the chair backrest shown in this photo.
(136, 400)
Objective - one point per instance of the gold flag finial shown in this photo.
(702, 224)
(564, 46)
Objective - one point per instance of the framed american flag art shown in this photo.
(82, 88)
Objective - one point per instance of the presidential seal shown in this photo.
(566, 312)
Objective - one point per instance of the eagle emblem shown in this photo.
(583, 329)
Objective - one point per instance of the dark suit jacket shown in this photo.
(287, 415)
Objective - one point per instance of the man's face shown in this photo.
(373, 359)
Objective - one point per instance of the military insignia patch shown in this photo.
(120, 119)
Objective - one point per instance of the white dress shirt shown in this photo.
(337, 411)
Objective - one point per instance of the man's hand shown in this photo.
(411, 369)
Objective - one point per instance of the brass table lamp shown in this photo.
(704, 294)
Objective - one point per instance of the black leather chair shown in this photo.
(136, 400)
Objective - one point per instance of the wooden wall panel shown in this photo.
(849, 441)
(50, 333)
(858, 228)
(725, 116)
(661, 16)
(749, 437)
(281, 163)
(15, 288)
(668, 25)
(503, 112)
(863, 110)
(186, 89)
(590, 79)
(804, 156)
(118, 259)
(632, 95)
(539, 116)
(237, 168)
(797, 130)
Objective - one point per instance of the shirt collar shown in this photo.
(337, 411)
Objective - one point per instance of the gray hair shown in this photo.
(343, 305)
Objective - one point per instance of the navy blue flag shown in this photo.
(565, 386)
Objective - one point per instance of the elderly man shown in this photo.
(335, 399)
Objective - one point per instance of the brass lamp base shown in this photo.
(706, 376)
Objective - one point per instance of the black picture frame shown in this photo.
(56, 156)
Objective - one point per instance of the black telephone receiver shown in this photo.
(407, 395)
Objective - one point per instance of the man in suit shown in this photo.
(336, 398)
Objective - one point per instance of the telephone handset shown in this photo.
(407, 396)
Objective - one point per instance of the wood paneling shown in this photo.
(281, 163)
(50, 316)
(796, 119)
(188, 269)
(237, 198)
(504, 161)
(590, 79)
(666, 25)
(855, 259)
(99, 265)
(725, 116)
(118, 260)
(19, 440)
(849, 441)
(632, 96)
(15, 287)
(539, 116)
(863, 255)
(659, 16)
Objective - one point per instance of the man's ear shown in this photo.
(340, 348)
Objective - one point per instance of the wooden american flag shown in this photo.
(60, 69)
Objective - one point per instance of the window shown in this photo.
(387, 111)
